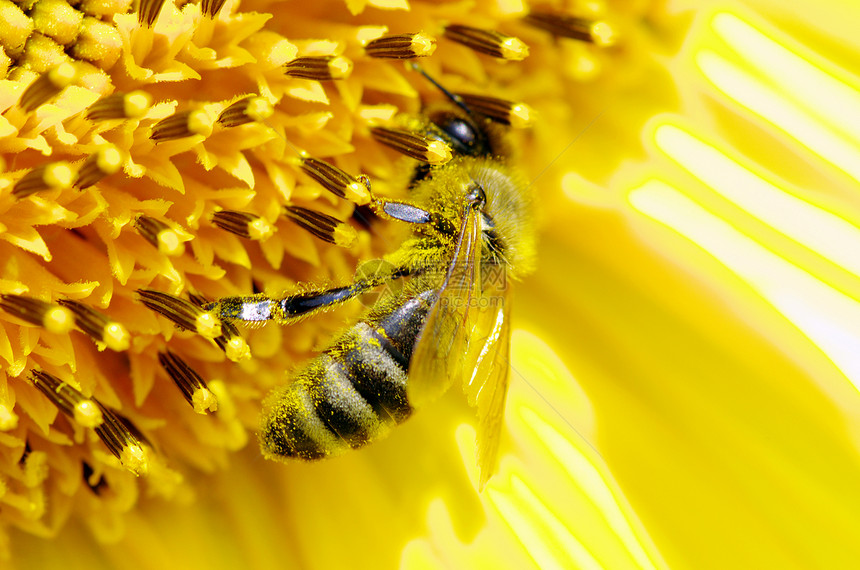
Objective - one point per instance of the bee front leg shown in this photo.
(289, 309)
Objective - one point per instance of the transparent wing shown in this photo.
(439, 354)
(489, 362)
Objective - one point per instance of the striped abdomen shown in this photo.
(351, 394)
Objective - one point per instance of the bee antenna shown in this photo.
(456, 99)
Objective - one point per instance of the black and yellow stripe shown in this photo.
(354, 392)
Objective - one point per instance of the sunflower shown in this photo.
(684, 384)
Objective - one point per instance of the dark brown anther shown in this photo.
(47, 85)
(132, 105)
(211, 7)
(181, 125)
(84, 411)
(322, 68)
(148, 11)
(165, 238)
(189, 383)
(517, 115)
(336, 180)
(323, 226)
(53, 318)
(184, 314)
(401, 46)
(104, 162)
(565, 26)
(419, 147)
(98, 326)
(53, 176)
(248, 110)
(243, 224)
(123, 440)
(489, 42)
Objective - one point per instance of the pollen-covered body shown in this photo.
(471, 234)
(356, 390)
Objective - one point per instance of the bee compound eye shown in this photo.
(464, 136)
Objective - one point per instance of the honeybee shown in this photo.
(471, 234)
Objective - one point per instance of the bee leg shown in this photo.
(285, 310)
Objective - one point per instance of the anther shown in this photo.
(57, 175)
(417, 146)
(230, 341)
(517, 115)
(166, 239)
(130, 105)
(123, 440)
(183, 313)
(148, 11)
(47, 85)
(84, 411)
(489, 42)
(323, 226)
(322, 68)
(594, 31)
(401, 46)
(189, 383)
(99, 327)
(248, 110)
(336, 180)
(104, 162)
(211, 7)
(53, 318)
(243, 224)
(181, 125)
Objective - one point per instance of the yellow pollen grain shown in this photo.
(204, 401)
(339, 67)
(423, 45)
(521, 116)
(357, 193)
(260, 229)
(259, 109)
(62, 75)
(345, 235)
(15, 30)
(133, 457)
(8, 418)
(88, 414)
(58, 175)
(514, 49)
(169, 243)
(603, 34)
(237, 349)
(109, 160)
(136, 103)
(116, 337)
(199, 123)
(208, 325)
(438, 153)
(58, 320)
